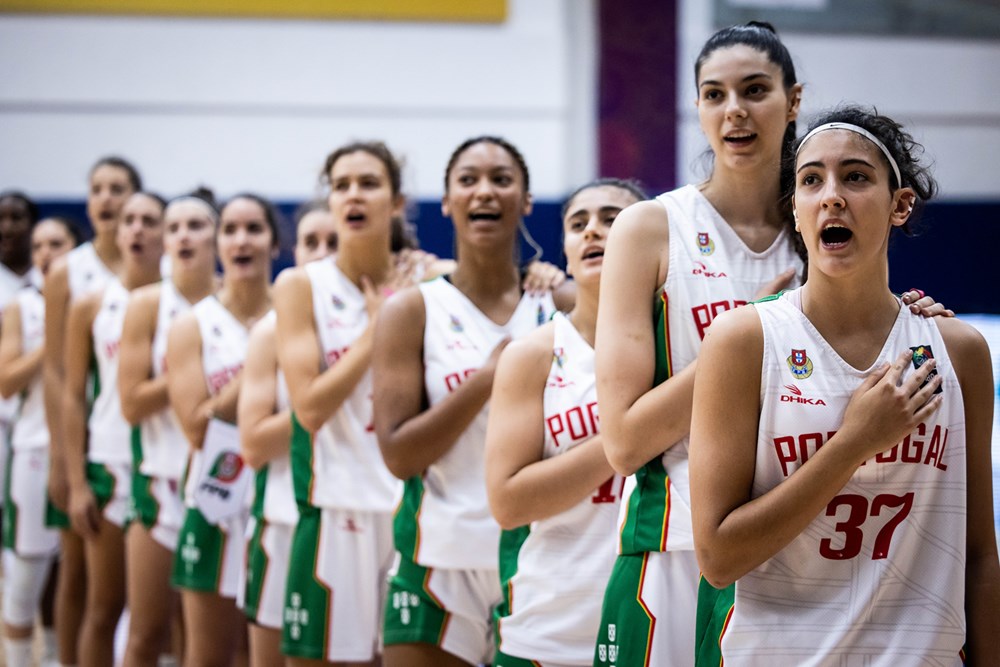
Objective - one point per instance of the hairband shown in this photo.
(857, 130)
(188, 199)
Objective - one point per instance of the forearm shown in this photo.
(755, 531)
(421, 440)
(267, 439)
(654, 423)
(325, 393)
(16, 374)
(74, 446)
(144, 399)
(982, 608)
(551, 486)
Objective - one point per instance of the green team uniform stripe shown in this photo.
(715, 608)
(301, 456)
(648, 508)
(143, 505)
(511, 542)
(9, 508)
(406, 520)
(259, 488)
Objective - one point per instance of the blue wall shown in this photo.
(955, 257)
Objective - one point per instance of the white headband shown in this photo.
(857, 130)
(188, 199)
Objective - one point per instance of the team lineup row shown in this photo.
(462, 462)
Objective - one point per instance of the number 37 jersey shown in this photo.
(878, 577)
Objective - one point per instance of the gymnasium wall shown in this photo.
(254, 104)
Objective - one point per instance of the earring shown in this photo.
(795, 215)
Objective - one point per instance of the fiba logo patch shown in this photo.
(227, 467)
(559, 356)
(921, 353)
(456, 326)
(706, 246)
(800, 365)
(541, 315)
(337, 303)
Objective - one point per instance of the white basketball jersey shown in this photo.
(879, 577)
(30, 429)
(453, 520)
(110, 435)
(279, 496)
(345, 470)
(164, 447)
(10, 284)
(85, 271)
(561, 564)
(710, 270)
(223, 351)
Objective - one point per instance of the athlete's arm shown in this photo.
(17, 370)
(521, 485)
(56, 305)
(264, 433)
(140, 393)
(411, 434)
(971, 358)
(638, 421)
(316, 393)
(186, 385)
(83, 512)
(734, 534)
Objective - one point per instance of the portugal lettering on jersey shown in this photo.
(878, 577)
(710, 271)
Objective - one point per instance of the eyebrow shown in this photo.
(843, 163)
(603, 209)
(749, 77)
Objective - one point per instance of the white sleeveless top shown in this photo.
(710, 270)
(561, 564)
(345, 468)
(10, 284)
(110, 434)
(85, 271)
(279, 497)
(879, 578)
(447, 506)
(223, 351)
(30, 429)
(164, 447)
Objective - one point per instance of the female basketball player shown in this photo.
(97, 450)
(265, 432)
(840, 445)
(550, 486)
(436, 352)
(159, 448)
(685, 257)
(206, 350)
(326, 312)
(29, 545)
(88, 267)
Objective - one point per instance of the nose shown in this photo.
(484, 188)
(832, 199)
(734, 106)
(594, 228)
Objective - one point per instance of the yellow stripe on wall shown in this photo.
(485, 11)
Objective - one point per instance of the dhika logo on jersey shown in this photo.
(797, 397)
(226, 467)
(559, 356)
(706, 246)
(800, 365)
(702, 270)
(455, 325)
